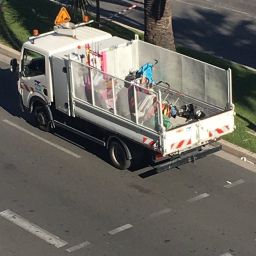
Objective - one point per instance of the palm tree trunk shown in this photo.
(158, 23)
(79, 8)
(98, 13)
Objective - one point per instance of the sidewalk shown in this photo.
(243, 154)
(228, 147)
(9, 52)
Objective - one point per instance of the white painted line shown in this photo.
(233, 184)
(238, 11)
(243, 158)
(164, 211)
(235, 160)
(199, 197)
(120, 229)
(32, 228)
(78, 247)
(196, 5)
(215, 7)
(41, 139)
(226, 254)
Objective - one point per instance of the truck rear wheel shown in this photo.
(118, 155)
(41, 118)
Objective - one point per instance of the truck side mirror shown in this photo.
(14, 65)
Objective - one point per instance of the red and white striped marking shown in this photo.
(218, 131)
(148, 141)
(122, 12)
(182, 143)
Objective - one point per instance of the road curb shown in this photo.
(228, 147)
(9, 52)
(243, 154)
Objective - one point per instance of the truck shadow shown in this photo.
(93, 148)
(10, 102)
(97, 150)
(85, 144)
(9, 96)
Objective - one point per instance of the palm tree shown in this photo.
(158, 23)
(82, 6)
(98, 12)
(79, 8)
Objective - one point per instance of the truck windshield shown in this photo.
(33, 63)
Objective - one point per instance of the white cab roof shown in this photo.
(52, 43)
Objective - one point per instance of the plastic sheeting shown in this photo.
(187, 76)
(120, 60)
(192, 77)
(116, 96)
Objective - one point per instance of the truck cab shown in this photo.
(35, 74)
(35, 79)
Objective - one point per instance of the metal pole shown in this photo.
(98, 13)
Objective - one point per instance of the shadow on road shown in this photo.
(9, 97)
(215, 34)
(87, 145)
(208, 31)
(10, 102)
(92, 147)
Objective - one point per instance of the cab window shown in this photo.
(33, 64)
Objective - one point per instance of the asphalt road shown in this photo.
(62, 198)
(223, 28)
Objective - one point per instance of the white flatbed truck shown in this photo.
(82, 73)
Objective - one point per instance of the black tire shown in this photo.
(118, 155)
(41, 119)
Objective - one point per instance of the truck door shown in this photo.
(61, 85)
(32, 75)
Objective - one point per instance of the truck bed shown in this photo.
(105, 97)
(180, 100)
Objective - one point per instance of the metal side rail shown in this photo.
(189, 157)
(80, 133)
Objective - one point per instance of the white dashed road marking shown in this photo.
(199, 197)
(78, 246)
(41, 139)
(233, 184)
(120, 229)
(164, 211)
(226, 254)
(33, 229)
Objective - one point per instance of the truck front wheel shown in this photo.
(118, 155)
(41, 118)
